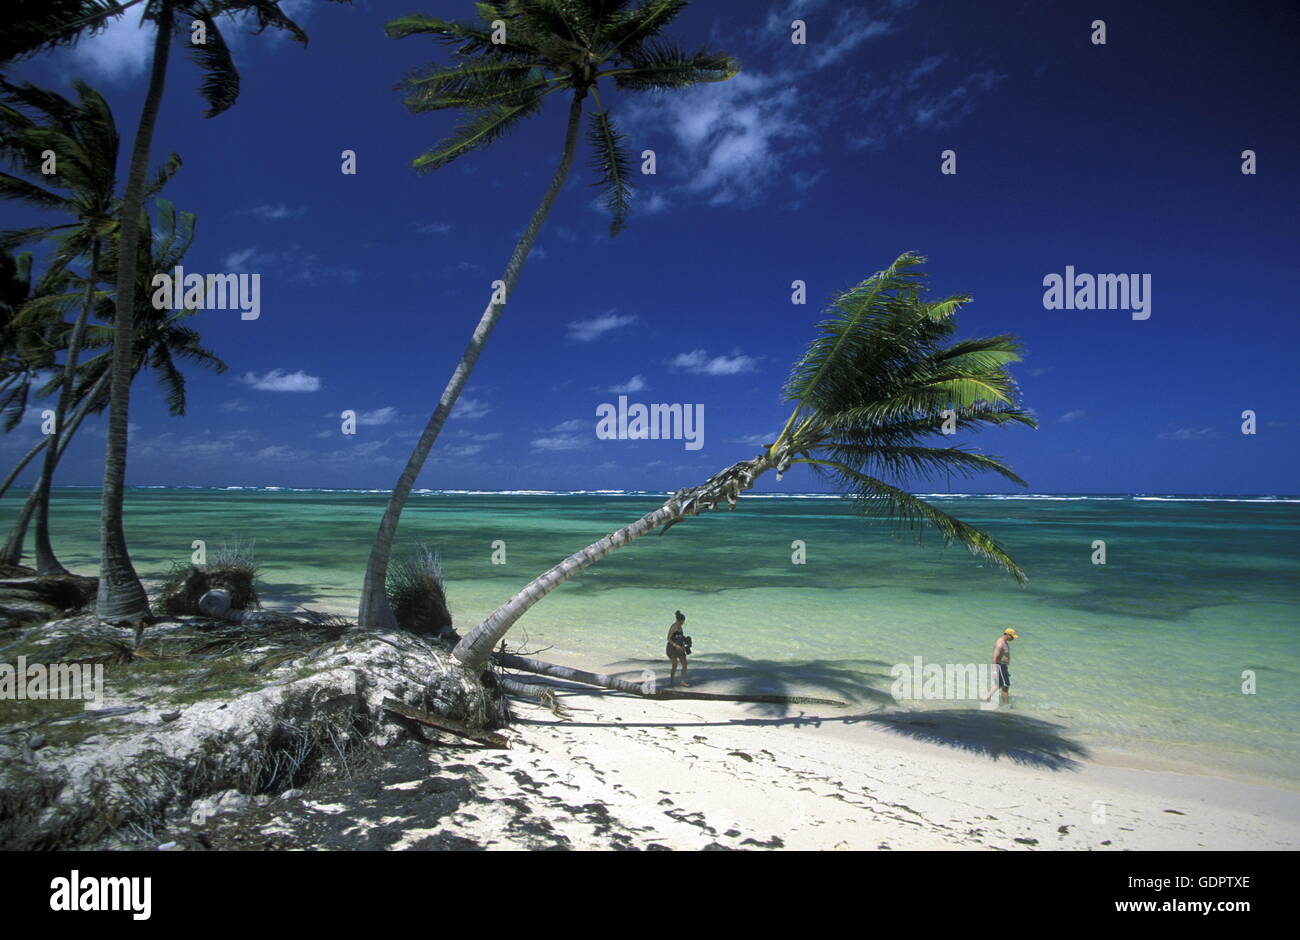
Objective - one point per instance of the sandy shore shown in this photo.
(693, 775)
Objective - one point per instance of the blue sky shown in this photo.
(819, 162)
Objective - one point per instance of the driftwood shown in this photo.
(626, 686)
(489, 738)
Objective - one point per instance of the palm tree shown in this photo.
(122, 597)
(161, 341)
(869, 394)
(23, 349)
(548, 47)
(84, 139)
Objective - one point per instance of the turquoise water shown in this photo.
(1144, 653)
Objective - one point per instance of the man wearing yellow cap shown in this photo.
(1002, 665)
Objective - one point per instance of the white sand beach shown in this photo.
(690, 775)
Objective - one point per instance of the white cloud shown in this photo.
(463, 450)
(468, 409)
(278, 380)
(477, 438)
(1188, 434)
(585, 331)
(385, 415)
(1077, 414)
(243, 259)
(568, 427)
(121, 51)
(698, 362)
(432, 228)
(280, 452)
(635, 384)
(851, 29)
(276, 213)
(923, 98)
(560, 442)
(296, 264)
(755, 440)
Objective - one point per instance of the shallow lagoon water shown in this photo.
(1145, 653)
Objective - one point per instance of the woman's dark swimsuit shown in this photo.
(673, 650)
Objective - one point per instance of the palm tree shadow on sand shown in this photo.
(853, 680)
(992, 734)
(995, 735)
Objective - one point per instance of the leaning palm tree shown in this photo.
(122, 597)
(870, 394)
(162, 341)
(506, 66)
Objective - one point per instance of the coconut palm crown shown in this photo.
(523, 51)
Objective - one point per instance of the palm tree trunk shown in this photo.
(374, 610)
(476, 648)
(22, 464)
(122, 598)
(626, 686)
(12, 552)
(46, 561)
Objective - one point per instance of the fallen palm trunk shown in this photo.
(539, 694)
(647, 690)
(490, 738)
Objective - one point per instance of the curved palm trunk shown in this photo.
(46, 562)
(476, 648)
(22, 465)
(374, 610)
(12, 552)
(628, 687)
(122, 598)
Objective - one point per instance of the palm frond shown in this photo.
(875, 498)
(480, 129)
(858, 324)
(34, 26)
(469, 40)
(220, 85)
(633, 27)
(612, 167)
(667, 67)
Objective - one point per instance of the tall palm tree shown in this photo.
(162, 340)
(122, 597)
(869, 394)
(84, 139)
(549, 47)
